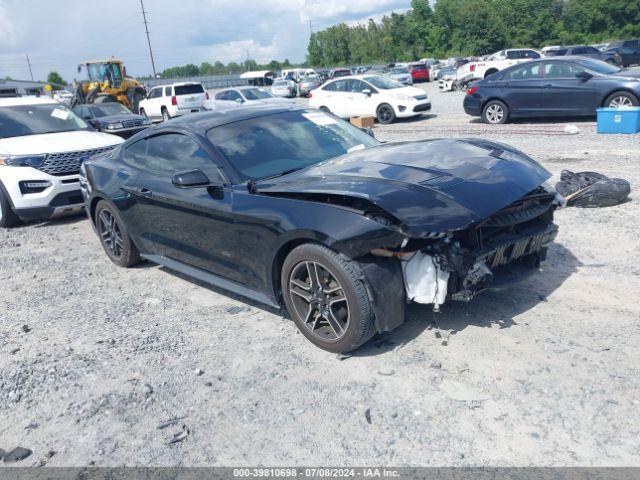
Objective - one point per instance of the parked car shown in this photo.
(498, 61)
(628, 55)
(62, 96)
(284, 88)
(233, 97)
(42, 144)
(340, 72)
(370, 95)
(307, 84)
(341, 229)
(401, 75)
(419, 72)
(551, 87)
(167, 101)
(112, 118)
(586, 51)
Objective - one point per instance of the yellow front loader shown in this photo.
(107, 81)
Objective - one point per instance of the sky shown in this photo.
(58, 35)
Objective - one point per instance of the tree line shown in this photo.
(219, 68)
(474, 28)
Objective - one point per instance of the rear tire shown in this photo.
(385, 114)
(495, 112)
(621, 99)
(327, 298)
(8, 218)
(114, 236)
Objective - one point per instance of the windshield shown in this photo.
(383, 83)
(419, 67)
(270, 145)
(399, 71)
(310, 79)
(105, 72)
(280, 83)
(112, 109)
(21, 120)
(255, 93)
(599, 66)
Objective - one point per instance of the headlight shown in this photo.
(113, 126)
(22, 160)
(406, 98)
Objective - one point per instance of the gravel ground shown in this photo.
(95, 358)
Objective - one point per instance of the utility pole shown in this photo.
(146, 28)
(29, 63)
(310, 28)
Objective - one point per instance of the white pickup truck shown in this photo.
(504, 58)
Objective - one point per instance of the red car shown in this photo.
(419, 72)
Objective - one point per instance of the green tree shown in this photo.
(56, 80)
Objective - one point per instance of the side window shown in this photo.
(341, 85)
(579, 51)
(330, 87)
(591, 50)
(167, 91)
(135, 154)
(233, 95)
(221, 95)
(530, 54)
(174, 152)
(631, 43)
(155, 93)
(356, 86)
(523, 72)
(560, 70)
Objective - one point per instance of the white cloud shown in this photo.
(59, 35)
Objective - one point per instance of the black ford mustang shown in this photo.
(294, 206)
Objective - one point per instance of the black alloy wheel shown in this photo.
(319, 300)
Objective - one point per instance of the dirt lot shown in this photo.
(94, 358)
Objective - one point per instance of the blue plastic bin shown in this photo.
(619, 120)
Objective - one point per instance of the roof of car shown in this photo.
(27, 100)
(215, 118)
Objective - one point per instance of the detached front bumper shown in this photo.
(455, 273)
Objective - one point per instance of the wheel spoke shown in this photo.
(306, 296)
(334, 324)
(335, 300)
(301, 285)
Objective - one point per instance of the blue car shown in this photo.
(552, 87)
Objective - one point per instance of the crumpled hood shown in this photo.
(429, 186)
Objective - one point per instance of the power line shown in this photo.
(146, 28)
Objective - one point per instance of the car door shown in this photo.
(567, 94)
(524, 88)
(361, 104)
(338, 99)
(191, 224)
(152, 106)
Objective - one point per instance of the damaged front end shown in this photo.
(463, 263)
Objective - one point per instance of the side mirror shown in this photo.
(190, 178)
(239, 100)
(367, 92)
(94, 123)
(584, 76)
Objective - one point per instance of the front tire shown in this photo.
(495, 112)
(114, 236)
(143, 113)
(8, 218)
(327, 298)
(165, 115)
(385, 114)
(621, 99)
(325, 109)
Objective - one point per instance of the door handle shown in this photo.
(142, 191)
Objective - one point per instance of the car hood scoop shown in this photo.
(429, 186)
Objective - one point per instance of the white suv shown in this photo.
(42, 144)
(167, 101)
